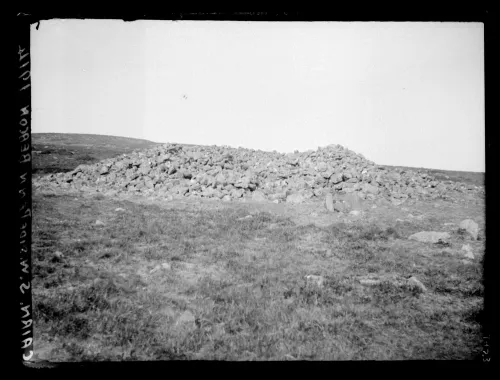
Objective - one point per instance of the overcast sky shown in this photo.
(409, 94)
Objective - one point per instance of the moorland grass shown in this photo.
(242, 279)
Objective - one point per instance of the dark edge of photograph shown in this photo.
(23, 181)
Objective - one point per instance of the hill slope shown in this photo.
(63, 152)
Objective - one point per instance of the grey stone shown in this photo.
(104, 170)
(318, 192)
(315, 280)
(340, 206)
(58, 254)
(186, 318)
(295, 198)
(470, 227)
(166, 266)
(155, 269)
(430, 237)
(336, 178)
(414, 282)
(258, 196)
(329, 202)
(352, 201)
(322, 166)
(468, 251)
(371, 189)
(369, 281)
(245, 217)
(466, 248)
(469, 255)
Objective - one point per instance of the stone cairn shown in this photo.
(174, 170)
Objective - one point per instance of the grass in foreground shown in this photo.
(233, 288)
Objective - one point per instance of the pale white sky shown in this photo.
(409, 94)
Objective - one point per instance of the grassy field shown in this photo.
(175, 281)
(191, 279)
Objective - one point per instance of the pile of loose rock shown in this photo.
(227, 173)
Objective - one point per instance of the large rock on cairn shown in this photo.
(225, 173)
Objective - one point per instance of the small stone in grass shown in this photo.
(430, 237)
(316, 280)
(468, 251)
(186, 318)
(166, 266)
(470, 227)
(413, 281)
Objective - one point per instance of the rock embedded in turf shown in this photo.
(414, 282)
(431, 237)
(315, 280)
(58, 255)
(155, 269)
(186, 318)
(257, 292)
(369, 281)
(470, 227)
(466, 248)
(468, 251)
(353, 201)
(469, 255)
(245, 217)
(329, 202)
